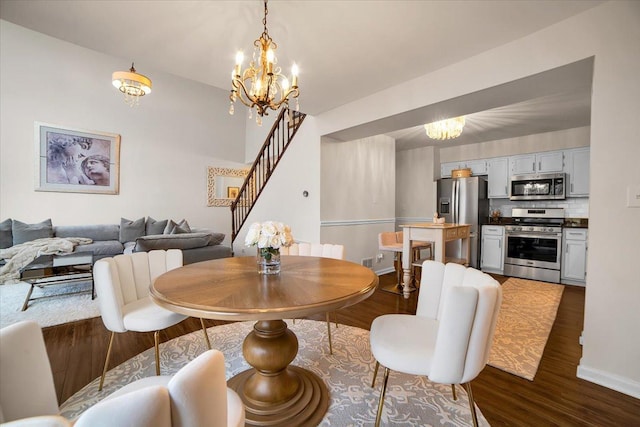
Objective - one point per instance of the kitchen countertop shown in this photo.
(568, 222)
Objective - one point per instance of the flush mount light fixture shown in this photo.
(132, 84)
(262, 85)
(445, 129)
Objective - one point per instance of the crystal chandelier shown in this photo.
(259, 85)
(132, 84)
(445, 129)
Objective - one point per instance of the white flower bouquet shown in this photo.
(269, 236)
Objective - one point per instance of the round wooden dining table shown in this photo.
(275, 393)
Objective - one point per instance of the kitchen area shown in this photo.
(528, 213)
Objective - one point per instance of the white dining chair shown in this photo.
(326, 250)
(449, 338)
(122, 285)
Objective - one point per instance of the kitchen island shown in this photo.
(439, 234)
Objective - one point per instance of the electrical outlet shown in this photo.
(379, 258)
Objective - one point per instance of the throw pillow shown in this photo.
(180, 228)
(6, 236)
(170, 226)
(26, 232)
(131, 230)
(155, 227)
(190, 241)
(216, 238)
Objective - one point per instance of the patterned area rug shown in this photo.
(527, 314)
(49, 311)
(410, 400)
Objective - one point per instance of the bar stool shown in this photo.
(392, 241)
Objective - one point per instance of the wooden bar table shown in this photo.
(439, 234)
(274, 392)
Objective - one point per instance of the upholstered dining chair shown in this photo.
(27, 391)
(326, 250)
(449, 338)
(197, 395)
(122, 286)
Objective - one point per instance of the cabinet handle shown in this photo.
(533, 166)
(539, 165)
(572, 187)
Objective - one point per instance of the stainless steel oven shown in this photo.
(533, 246)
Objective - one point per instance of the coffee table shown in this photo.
(274, 392)
(49, 270)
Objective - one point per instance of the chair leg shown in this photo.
(156, 338)
(106, 360)
(329, 332)
(375, 374)
(382, 393)
(206, 336)
(472, 405)
(453, 391)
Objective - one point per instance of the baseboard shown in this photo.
(385, 271)
(608, 380)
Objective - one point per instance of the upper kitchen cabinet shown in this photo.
(550, 161)
(498, 178)
(478, 167)
(577, 170)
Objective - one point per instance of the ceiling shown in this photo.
(345, 49)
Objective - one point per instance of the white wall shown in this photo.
(416, 171)
(167, 141)
(358, 196)
(611, 33)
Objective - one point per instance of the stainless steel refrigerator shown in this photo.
(464, 201)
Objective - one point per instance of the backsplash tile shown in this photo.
(574, 207)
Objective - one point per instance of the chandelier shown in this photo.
(262, 85)
(445, 129)
(132, 84)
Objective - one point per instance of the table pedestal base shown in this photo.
(274, 393)
(306, 408)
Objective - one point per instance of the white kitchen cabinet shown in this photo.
(577, 169)
(548, 161)
(446, 168)
(498, 178)
(478, 167)
(574, 256)
(492, 252)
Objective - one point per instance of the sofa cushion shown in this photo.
(102, 248)
(26, 232)
(131, 230)
(216, 238)
(93, 232)
(6, 236)
(155, 227)
(172, 241)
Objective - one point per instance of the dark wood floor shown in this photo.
(555, 397)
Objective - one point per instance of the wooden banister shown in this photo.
(276, 143)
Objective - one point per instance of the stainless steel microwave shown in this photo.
(543, 186)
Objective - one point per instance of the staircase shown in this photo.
(281, 134)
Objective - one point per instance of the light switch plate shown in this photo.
(633, 196)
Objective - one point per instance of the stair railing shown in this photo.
(276, 143)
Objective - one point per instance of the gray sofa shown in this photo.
(129, 236)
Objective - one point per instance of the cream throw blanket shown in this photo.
(19, 256)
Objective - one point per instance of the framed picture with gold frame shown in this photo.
(72, 160)
(232, 192)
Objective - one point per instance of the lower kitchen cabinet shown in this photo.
(492, 252)
(574, 256)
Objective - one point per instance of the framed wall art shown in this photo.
(223, 185)
(76, 161)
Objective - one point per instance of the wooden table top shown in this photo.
(232, 289)
(432, 225)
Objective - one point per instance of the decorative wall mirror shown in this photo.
(223, 185)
